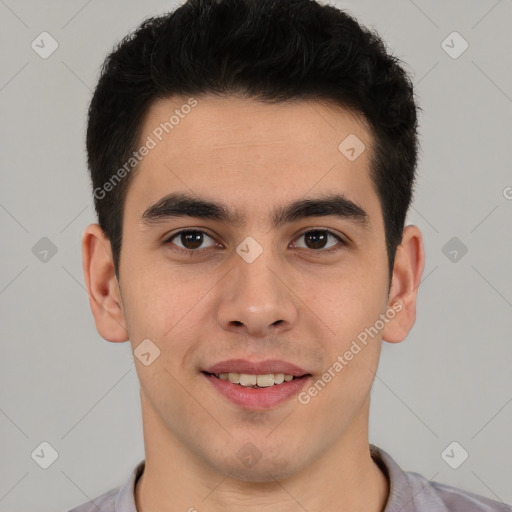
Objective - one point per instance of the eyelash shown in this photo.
(198, 252)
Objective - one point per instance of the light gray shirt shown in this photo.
(409, 492)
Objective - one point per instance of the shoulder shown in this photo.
(412, 492)
(429, 495)
(121, 498)
(105, 503)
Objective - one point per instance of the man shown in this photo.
(252, 164)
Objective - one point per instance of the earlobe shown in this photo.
(102, 286)
(407, 272)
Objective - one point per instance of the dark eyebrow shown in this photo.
(182, 205)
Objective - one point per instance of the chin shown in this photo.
(264, 470)
(260, 476)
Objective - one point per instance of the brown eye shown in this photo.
(318, 238)
(191, 240)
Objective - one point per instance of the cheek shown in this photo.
(347, 301)
(164, 306)
(352, 351)
(351, 308)
(151, 292)
(155, 307)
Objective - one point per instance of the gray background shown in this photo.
(63, 384)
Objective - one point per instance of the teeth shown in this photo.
(247, 380)
(280, 377)
(232, 377)
(261, 381)
(265, 381)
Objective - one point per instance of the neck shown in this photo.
(175, 478)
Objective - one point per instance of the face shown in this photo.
(242, 282)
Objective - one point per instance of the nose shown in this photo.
(256, 300)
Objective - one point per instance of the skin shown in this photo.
(205, 309)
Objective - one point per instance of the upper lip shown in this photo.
(256, 368)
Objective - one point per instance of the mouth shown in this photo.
(248, 380)
(257, 391)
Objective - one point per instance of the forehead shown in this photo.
(255, 156)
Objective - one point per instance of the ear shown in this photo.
(102, 286)
(407, 272)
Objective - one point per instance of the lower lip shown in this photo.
(257, 399)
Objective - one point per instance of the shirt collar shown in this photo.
(400, 498)
(125, 500)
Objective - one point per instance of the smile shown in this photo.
(255, 381)
(256, 392)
